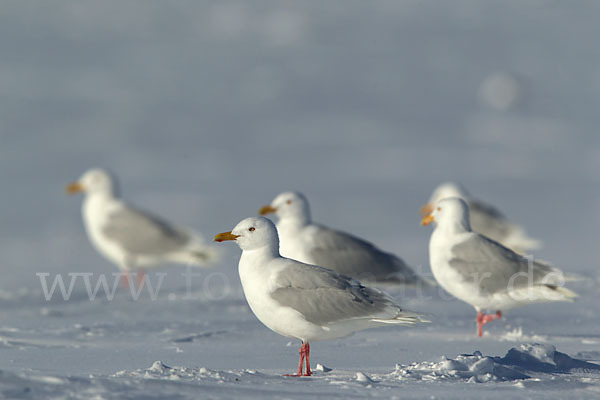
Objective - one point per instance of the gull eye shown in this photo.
(289, 202)
(439, 209)
(252, 229)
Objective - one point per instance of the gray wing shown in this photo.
(488, 221)
(494, 266)
(141, 233)
(323, 296)
(357, 258)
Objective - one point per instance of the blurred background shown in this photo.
(208, 109)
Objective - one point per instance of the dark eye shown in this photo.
(252, 229)
(289, 202)
(439, 209)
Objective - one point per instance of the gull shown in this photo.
(303, 301)
(482, 272)
(305, 241)
(485, 219)
(129, 237)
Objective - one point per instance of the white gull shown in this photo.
(303, 301)
(482, 272)
(129, 237)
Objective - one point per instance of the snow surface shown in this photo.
(208, 109)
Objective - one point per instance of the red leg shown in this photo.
(139, 277)
(307, 354)
(300, 362)
(483, 319)
(303, 353)
(124, 280)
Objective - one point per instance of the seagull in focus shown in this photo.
(303, 301)
(308, 242)
(129, 237)
(485, 219)
(482, 272)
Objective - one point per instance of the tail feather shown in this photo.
(542, 293)
(520, 241)
(561, 276)
(570, 277)
(568, 295)
(404, 317)
(199, 254)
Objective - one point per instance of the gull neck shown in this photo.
(294, 221)
(458, 225)
(267, 251)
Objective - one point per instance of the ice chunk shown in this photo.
(363, 378)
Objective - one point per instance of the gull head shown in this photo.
(451, 210)
(447, 189)
(288, 205)
(252, 233)
(94, 181)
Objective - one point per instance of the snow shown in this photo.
(527, 366)
(133, 349)
(523, 362)
(207, 110)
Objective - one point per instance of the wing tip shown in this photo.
(200, 255)
(568, 294)
(404, 317)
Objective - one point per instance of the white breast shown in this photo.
(258, 282)
(95, 212)
(440, 254)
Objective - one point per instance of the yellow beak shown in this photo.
(267, 210)
(74, 187)
(427, 220)
(221, 237)
(426, 209)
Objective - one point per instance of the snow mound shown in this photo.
(519, 363)
(466, 367)
(535, 357)
(322, 368)
(159, 370)
(363, 378)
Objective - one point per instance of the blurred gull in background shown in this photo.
(132, 238)
(305, 241)
(485, 219)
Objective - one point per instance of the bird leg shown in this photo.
(483, 319)
(300, 362)
(139, 277)
(307, 354)
(125, 280)
(303, 353)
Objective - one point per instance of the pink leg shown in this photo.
(483, 319)
(124, 280)
(300, 362)
(139, 277)
(307, 353)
